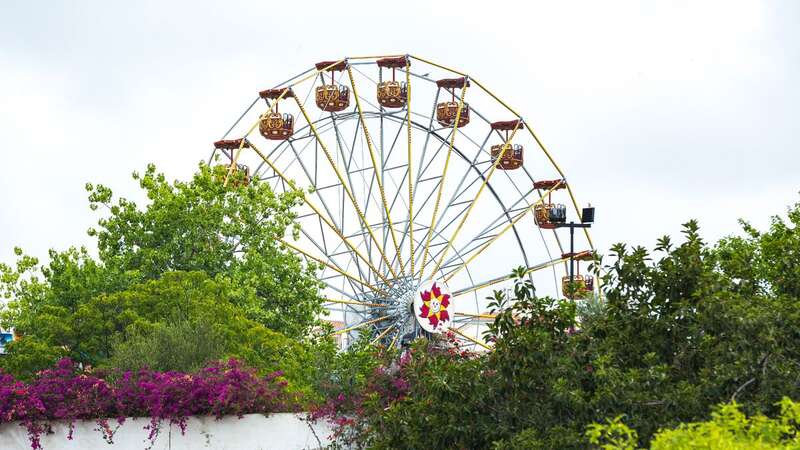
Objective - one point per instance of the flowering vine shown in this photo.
(63, 393)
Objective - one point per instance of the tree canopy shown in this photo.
(198, 253)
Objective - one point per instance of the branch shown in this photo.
(746, 383)
(763, 364)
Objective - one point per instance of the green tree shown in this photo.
(197, 251)
(202, 225)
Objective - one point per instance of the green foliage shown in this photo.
(205, 226)
(181, 346)
(729, 428)
(198, 258)
(682, 328)
(344, 373)
(612, 435)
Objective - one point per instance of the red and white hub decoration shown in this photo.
(431, 306)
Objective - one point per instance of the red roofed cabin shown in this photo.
(547, 214)
(446, 112)
(332, 97)
(511, 156)
(392, 94)
(581, 285)
(274, 125)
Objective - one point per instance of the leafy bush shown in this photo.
(728, 429)
(181, 346)
(683, 328)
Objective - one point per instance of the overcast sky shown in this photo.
(657, 111)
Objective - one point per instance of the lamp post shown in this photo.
(587, 218)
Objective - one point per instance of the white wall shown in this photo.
(282, 431)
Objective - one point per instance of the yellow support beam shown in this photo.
(509, 277)
(476, 316)
(506, 228)
(322, 216)
(384, 333)
(361, 325)
(334, 268)
(470, 338)
(442, 180)
(410, 183)
(350, 195)
(504, 149)
(354, 302)
(375, 167)
(374, 56)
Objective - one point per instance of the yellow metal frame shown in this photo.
(353, 302)
(350, 195)
(334, 268)
(441, 181)
(464, 218)
(384, 333)
(506, 228)
(361, 325)
(394, 340)
(410, 172)
(470, 338)
(322, 216)
(476, 316)
(509, 277)
(375, 167)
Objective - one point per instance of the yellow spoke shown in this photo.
(508, 277)
(366, 224)
(374, 56)
(470, 338)
(410, 184)
(384, 333)
(361, 325)
(375, 167)
(477, 316)
(506, 147)
(438, 65)
(334, 268)
(442, 180)
(498, 235)
(322, 216)
(354, 302)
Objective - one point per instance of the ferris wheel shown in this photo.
(423, 191)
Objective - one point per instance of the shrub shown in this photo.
(181, 346)
(728, 429)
